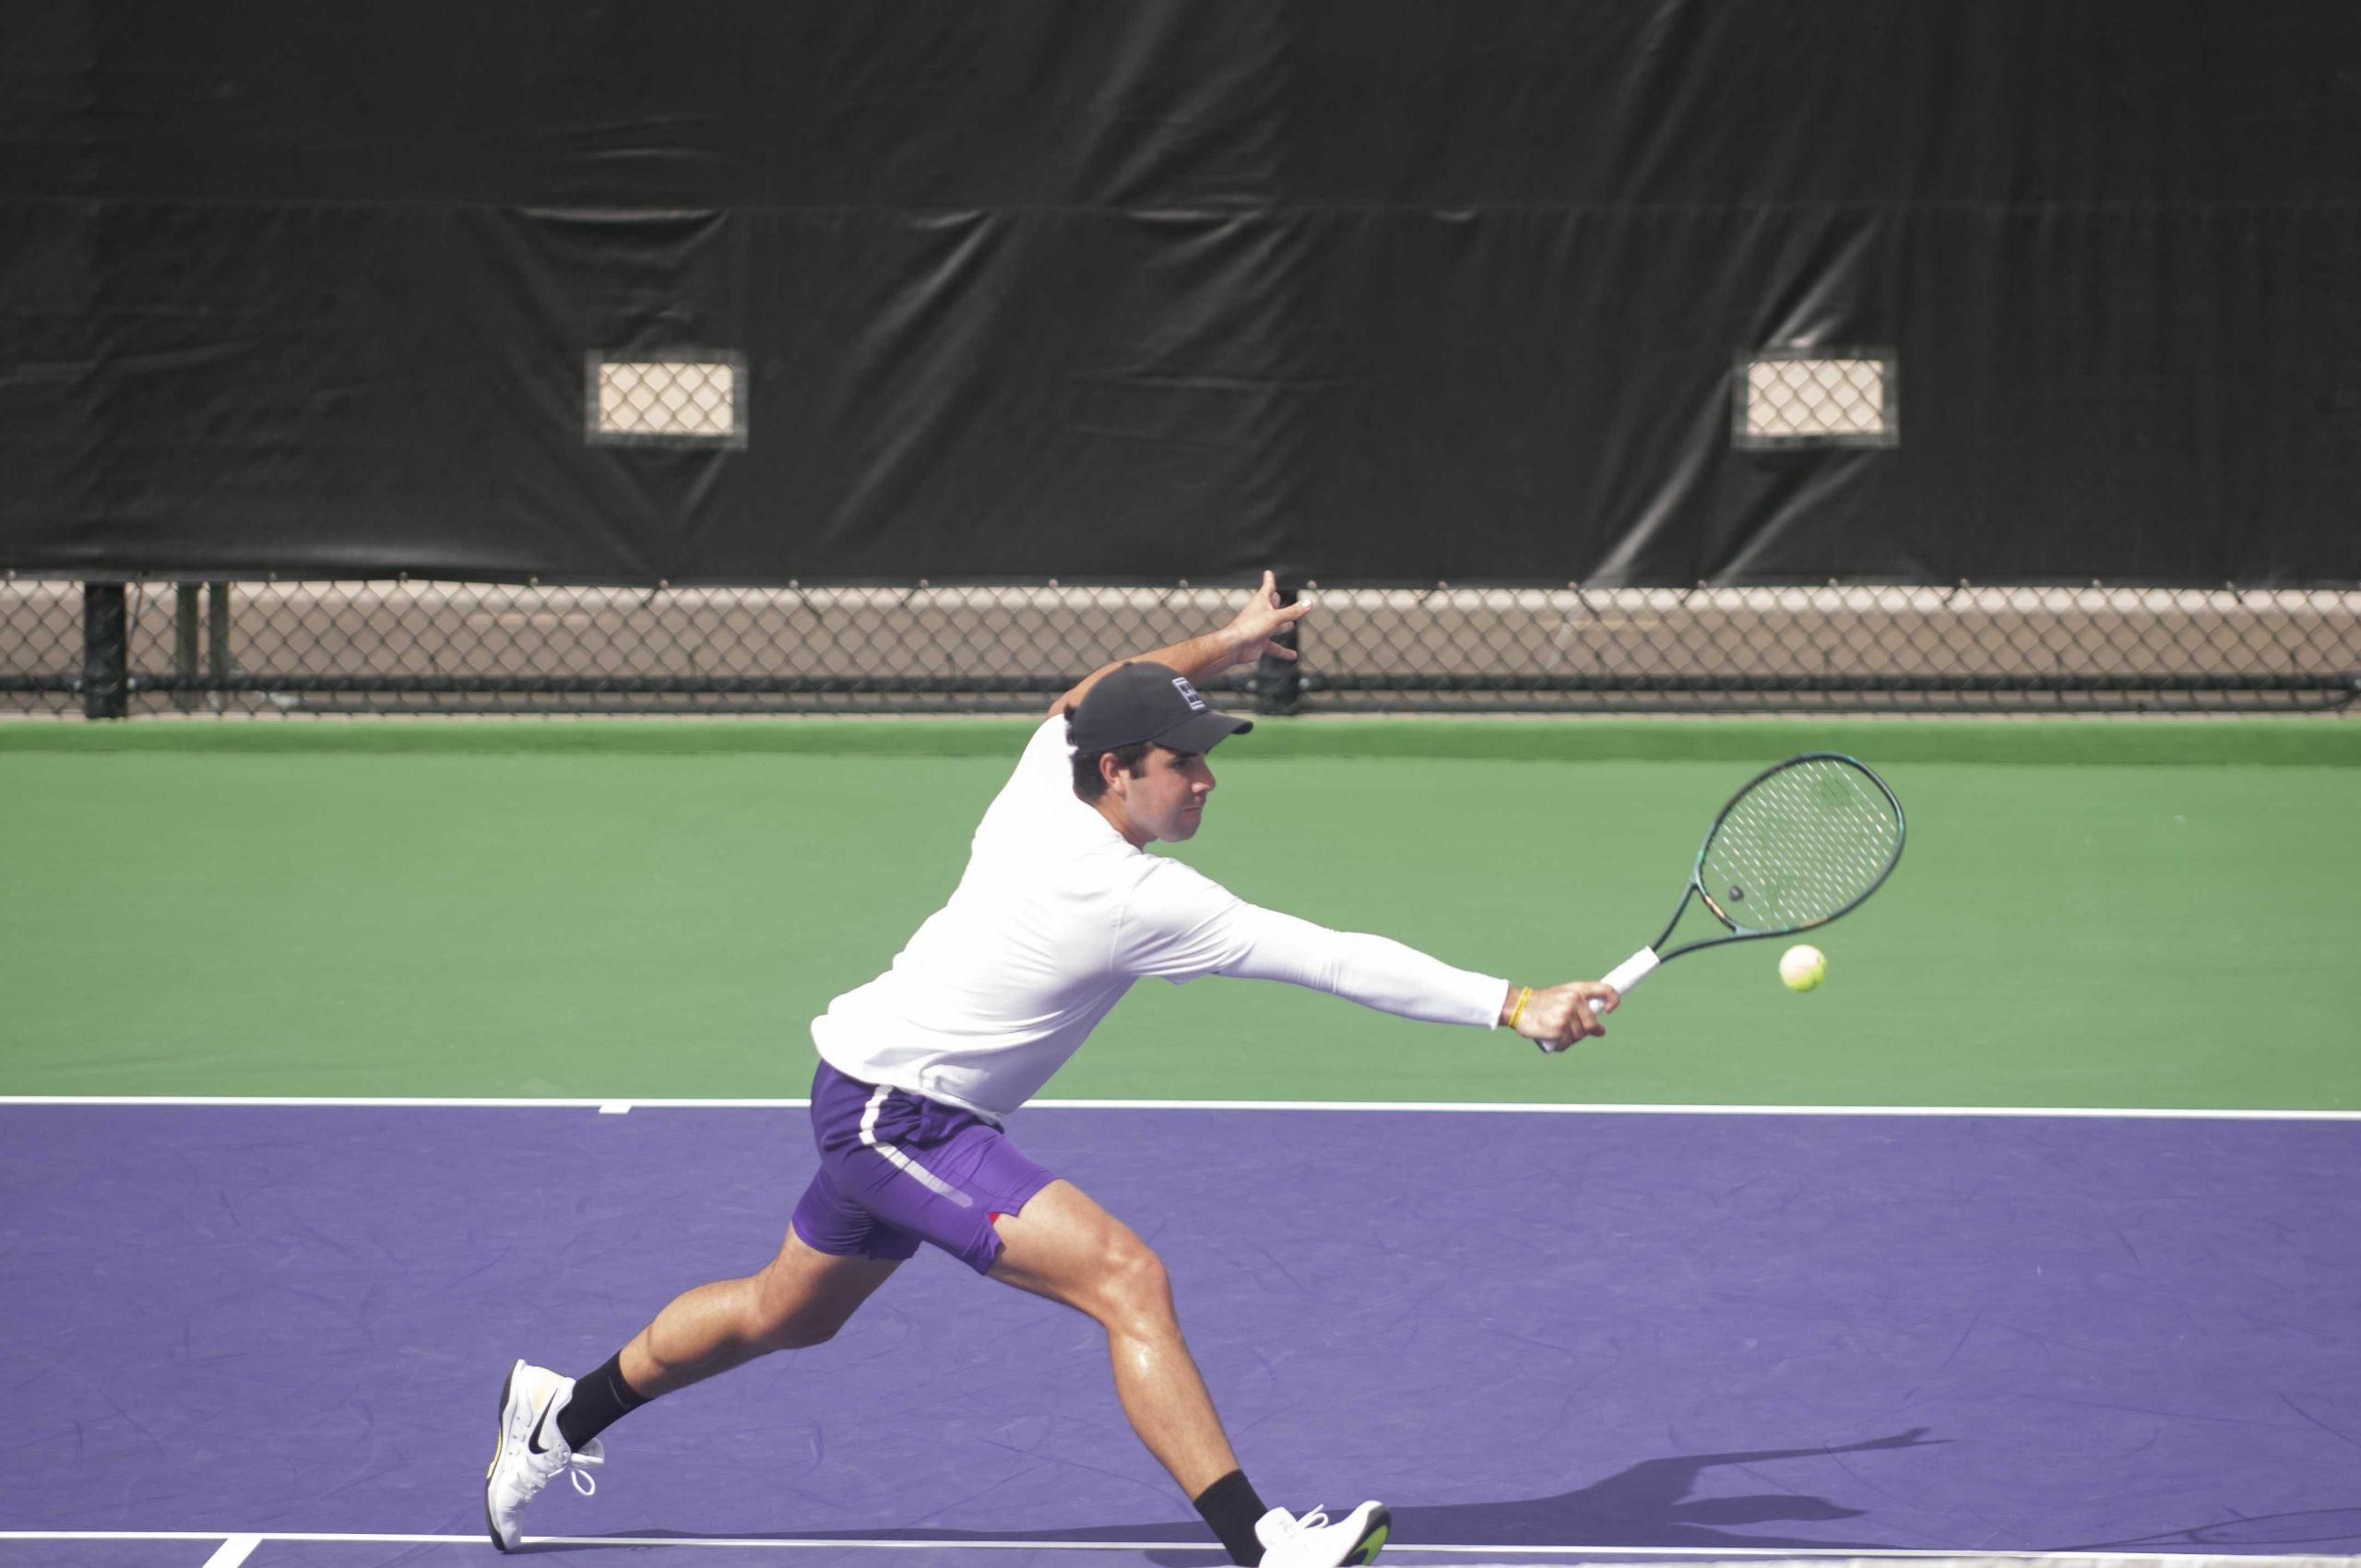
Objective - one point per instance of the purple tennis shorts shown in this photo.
(897, 1169)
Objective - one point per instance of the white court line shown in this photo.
(1758, 1554)
(233, 1552)
(431, 1102)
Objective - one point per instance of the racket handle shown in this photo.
(1631, 971)
(1623, 977)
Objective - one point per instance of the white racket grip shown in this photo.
(1631, 971)
(1623, 977)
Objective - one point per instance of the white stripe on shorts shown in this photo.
(903, 1162)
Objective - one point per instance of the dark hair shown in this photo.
(1088, 783)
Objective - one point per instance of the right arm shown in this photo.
(1181, 926)
(1392, 977)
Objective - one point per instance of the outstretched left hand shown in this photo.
(1250, 631)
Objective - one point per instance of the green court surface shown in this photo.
(2101, 913)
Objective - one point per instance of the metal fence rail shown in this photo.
(447, 648)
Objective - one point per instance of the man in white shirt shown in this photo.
(1059, 911)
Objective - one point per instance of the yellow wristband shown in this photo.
(1518, 1011)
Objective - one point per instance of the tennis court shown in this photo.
(347, 1062)
(530, 535)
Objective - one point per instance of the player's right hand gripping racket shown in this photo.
(1800, 845)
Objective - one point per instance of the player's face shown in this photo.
(1167, 797)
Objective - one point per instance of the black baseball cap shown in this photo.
(1149, 702)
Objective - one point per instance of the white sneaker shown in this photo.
(531, 1453)
(1313, 1543)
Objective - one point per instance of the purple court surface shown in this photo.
(1720, 1332)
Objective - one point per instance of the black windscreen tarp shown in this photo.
(1380, 290)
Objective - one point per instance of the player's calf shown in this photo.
(801, 1299)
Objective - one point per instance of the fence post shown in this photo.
(106, 652)
(217, 637)
(186, 598)
(1278, 682)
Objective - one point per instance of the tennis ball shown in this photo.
(1803, 967)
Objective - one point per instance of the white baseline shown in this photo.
(612, 1106)
(1759, 1557)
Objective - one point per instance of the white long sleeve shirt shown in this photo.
(1054, 919)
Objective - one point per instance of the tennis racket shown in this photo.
(1800, 845)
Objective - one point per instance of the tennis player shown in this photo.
(1061, 909)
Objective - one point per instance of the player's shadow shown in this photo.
(1646, 1505)
(1649, 1504)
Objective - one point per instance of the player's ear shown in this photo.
(1111, 772)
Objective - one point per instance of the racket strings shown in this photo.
(1800, 846)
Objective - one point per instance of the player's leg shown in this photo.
(835, 1257)
(923, 1169)
(1061, 1244)
(1066, 1247)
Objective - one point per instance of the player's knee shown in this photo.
(1133, 1284)
(793, 1334)
(794, 1338)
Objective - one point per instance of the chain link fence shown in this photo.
(1790, 397)
(456, 647)
(694, 397)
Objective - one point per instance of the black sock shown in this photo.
(599, 1401)
(1230, 1506)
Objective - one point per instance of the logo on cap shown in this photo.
(1181, 685)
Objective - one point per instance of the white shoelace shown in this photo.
(577, 1468)
(577, 1471)
(578, 1465)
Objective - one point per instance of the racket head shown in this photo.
(1802, 842)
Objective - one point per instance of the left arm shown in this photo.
(1246, 638)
